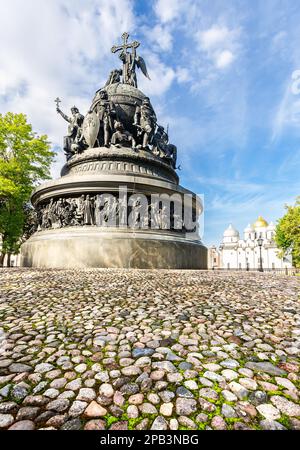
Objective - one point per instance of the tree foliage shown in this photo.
(25, 160)
(288, 232)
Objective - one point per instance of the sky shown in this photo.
(225, 76)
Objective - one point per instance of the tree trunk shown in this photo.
(8, 259)
(2, 256)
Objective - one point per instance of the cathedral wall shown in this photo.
(238, 259)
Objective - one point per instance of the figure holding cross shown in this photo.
(130, 60)
(74, 141)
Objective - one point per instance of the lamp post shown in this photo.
(260, 243)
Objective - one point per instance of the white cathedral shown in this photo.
(245, 253)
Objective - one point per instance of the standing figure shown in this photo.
(145, 218)
(88, 212)
(73, 212)
(74, 136)
(66, 217)
(154, 215)
(122, 212)
(52, 214)
(97, 214)
(59, 212)
(46, 222)
(136, 213)
(130, 60)
(165, 218)
(114, 211)
(106, 113)
(145, 121)
(80, 211)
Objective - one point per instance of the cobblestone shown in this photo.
(151, 349)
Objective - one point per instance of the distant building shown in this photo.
(213, 258)
(244, 253)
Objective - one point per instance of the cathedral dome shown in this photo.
(260, 223)
(248, 229)
(231, 232)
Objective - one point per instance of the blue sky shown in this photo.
(223, 76)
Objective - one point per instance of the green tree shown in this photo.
(25, 160)
(287, 235)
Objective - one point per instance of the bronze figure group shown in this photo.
(106, 210)
(102, 126)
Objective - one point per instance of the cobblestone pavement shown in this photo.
(124, 349)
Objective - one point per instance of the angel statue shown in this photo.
(130, 60)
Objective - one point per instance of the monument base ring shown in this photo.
(86, 247)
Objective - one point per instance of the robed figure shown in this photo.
(74, 136)
(88, 216)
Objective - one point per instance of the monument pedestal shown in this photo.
(132, 178)
(70, 248)
(102, 170)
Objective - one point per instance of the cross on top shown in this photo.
(57, 101)
(130, 60)
(125, 46)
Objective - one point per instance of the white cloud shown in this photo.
(61, 47)
(161, 76)
(183, 75)
(163, 37)
(168, 10)
(160, 36)
(224, 59)
(214, 37)
(220, 44)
